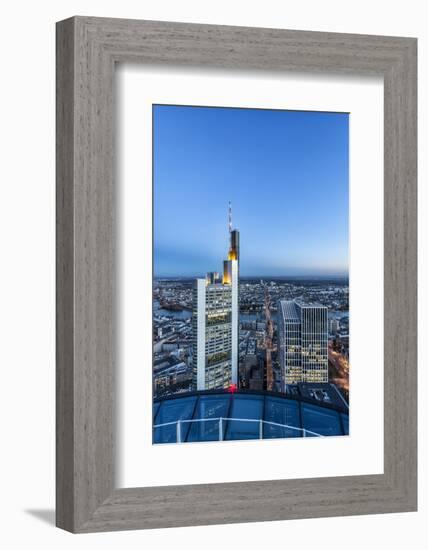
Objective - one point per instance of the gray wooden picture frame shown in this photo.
(87, 51)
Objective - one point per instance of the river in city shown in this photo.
(338, 314)
(243, 317)
(182, 314)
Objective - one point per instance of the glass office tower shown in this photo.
(215, 321)
(302, 342)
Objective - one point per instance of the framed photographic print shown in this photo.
(236, 274)
(243, 351)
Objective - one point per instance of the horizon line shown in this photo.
(301, 276)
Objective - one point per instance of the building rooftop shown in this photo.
(289, 311)
(223, 415)
(302, 303)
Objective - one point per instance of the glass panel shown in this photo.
(208, 407)
(209, 430)
(171, 411)
(155, 411)
(320, 421)
(246, 407)
(281, 411)
(345, 421)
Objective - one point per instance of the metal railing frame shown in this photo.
(220, 420)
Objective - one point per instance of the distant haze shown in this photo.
(286, 174)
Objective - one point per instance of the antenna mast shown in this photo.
(230, 217)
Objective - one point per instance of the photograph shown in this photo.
(250, 274)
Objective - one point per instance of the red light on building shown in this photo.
(233, 388)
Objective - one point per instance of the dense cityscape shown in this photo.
(172, 299)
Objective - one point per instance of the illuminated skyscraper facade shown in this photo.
(215, 320)
(302, 342)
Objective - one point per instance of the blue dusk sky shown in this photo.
(285, 172)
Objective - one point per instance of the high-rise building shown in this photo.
(213, 277)
(215, 321)
(334, 326)
(302, 342)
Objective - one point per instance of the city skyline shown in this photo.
(286, 173)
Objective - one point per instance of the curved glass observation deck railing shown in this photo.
(222, 416)
(219, 428)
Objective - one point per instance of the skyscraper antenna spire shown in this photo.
(230, 217)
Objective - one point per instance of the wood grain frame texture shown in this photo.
(87, 51)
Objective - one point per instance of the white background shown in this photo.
(144, 464)
(27, 272)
